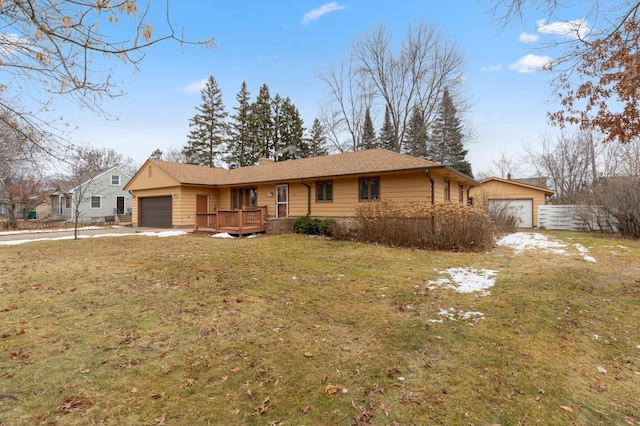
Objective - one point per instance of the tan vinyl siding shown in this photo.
(496, 190)
(406, 188)
(184, 205)
(144, 180)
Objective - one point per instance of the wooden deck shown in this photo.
(247, 220)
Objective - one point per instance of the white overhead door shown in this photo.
(521, 209)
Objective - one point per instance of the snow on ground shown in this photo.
(472, 280)
(466, 280)
(521, 241)
(70, 237)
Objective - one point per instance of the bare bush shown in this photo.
(446, 226)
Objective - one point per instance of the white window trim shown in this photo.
(99, 197)
(119, 180)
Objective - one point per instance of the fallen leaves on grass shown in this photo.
(331, 389)
(74, 404)
(262, 408)
(187, 383)
(565, 408)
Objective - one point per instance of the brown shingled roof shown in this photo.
(189, 173)
(350, 163)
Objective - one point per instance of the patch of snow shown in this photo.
(222, 235)
(161, 234)
(453, 315)
(521, 241)
(466, 280)
(584, 252)
(70, 237)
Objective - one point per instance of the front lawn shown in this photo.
(294, 330)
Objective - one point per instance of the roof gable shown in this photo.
(546, 191)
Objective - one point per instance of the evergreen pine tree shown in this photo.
(386, 137)
(317, 140)
(368, 133)
(262, 124)
(291, 130)
(445, 143)
(207, 138)
(416, 134)
(240, 147)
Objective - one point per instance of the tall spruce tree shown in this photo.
(206, 141)
(387, 135)
(240, 146)
(261, 122)
(446, 144)
(291, 133)
(369, 140)
(317, 141)
(416, 134)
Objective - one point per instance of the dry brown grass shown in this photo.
(296, 330)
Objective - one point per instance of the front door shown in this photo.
(120, 205)
(282, 200)
(202, 206)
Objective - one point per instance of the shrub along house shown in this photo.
(242, 200)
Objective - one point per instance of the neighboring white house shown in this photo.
(102, 198)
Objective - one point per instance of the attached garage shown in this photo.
(155, 212)
(522, 210)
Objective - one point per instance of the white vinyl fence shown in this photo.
(573, 218)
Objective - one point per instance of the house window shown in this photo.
(461, 193)
(447, 190)
(67, 202)
(96, 201)
(247, 197)
(324, 191)
(369, 189)
(115, 180)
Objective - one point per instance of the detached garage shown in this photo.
(519, 196)
(155, 212)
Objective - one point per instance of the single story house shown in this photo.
(175, 195)
(520, 196)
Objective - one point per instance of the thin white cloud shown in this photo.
(320, 12)
(531, 63)
(528, 38)
(11, 44)
(577, 28)
(491, 68)
(194, 87)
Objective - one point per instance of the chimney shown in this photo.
(509, 176)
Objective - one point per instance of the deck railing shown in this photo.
(247, 220)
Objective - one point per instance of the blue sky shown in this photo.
(284, 42)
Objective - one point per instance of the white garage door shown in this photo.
(522, 209)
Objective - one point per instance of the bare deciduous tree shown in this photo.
(51, 48)
(567, 160)
(376, 77)
(596, 82)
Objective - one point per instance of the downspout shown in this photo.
(308, 197)
(433, 190)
